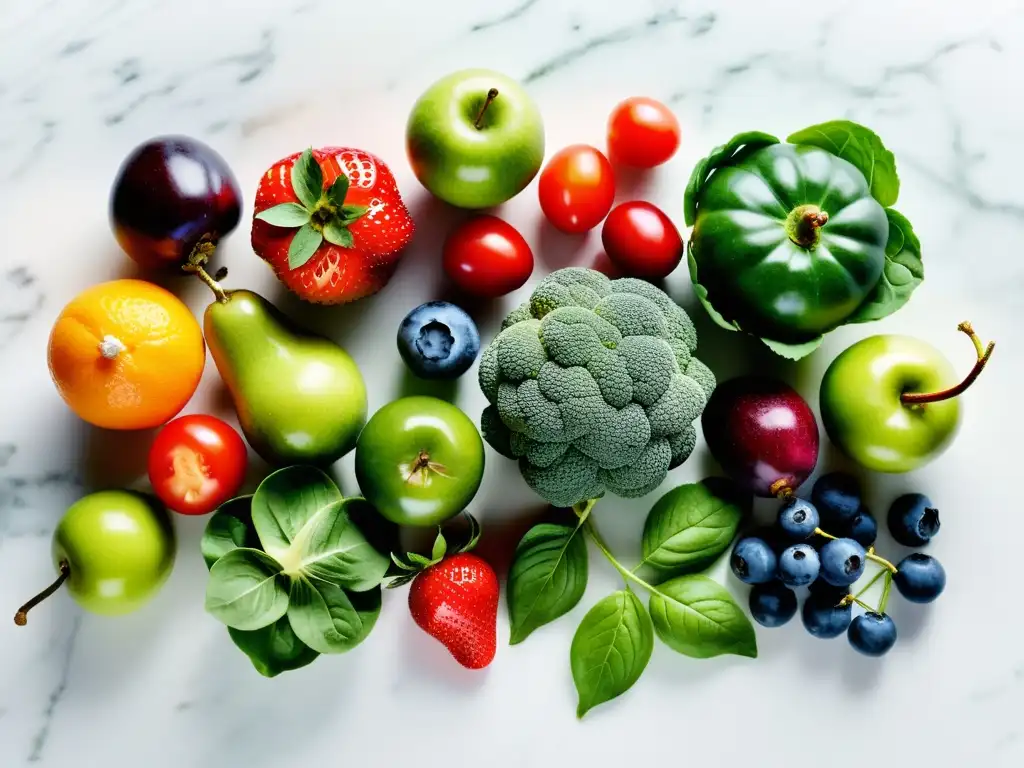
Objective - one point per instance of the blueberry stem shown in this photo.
(983, 352)
(21, 617)
(886, 588)
(874, 580)
(870, 551)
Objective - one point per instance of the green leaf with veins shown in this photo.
(288, 499)
(285, 215)
(230, 527)
(307, 179)
(337, 191)
(902, 273)
(697, 617)
(246, 589)
(273, 649)
(304, 244)
(327, 618)
(331, 548)
(350, 214)
(337, 233)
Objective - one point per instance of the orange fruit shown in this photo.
(126, 354)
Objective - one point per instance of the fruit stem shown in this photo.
(983, 352)
(781, 489)
(874, 580)
(870, 553)
(213, 285)
(804, 223)
(21, 617)
(886, 588)
(491, 96)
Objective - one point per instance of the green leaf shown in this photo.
(350, 214)
(330, 547)
(859, 146)
(304, 244)
(610, 649)
(902, 273)
(418, 559)
(273, 649)
(793, 351)
(337, 233)
(739, 146)
(327, 618)
(246, 589)
(288, 499)
(307, 179)
(547, 578)
(697, 617)
(230, 527)
(440, 547)
(285, 215)
(702, 292)
(337, 191)
(691, 525)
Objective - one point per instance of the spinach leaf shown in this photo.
(610, 649)
(246, 589)
(547, 578)
(861, 147)
(228, 528)
(273, 649)
(327, 618)
(697, 617)
(902, 273)
(331, 548)
(739, 146)
(691, 525)
(285, 501)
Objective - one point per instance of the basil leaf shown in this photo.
(697, 617)
(273, 649)
(859, 146)
(547, 578)
(230, 527)
(285, 215)
(610, 649)
(691, 525)
(304, 244)
(336, 233)
(285, 501)
(739, 146)
(327, 618)
(902, 273)
(793, 351)
(332, 548)
(246, 589)
(307, 179)
(338, 190)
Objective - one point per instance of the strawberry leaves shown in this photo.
(318, 215)
(413, 563)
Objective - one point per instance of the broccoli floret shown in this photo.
(593, 387)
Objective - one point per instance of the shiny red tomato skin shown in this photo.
(642, 133)
(577, 188)
(196, 463)
(641, 240)
(486, 256)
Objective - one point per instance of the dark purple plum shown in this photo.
(170, 194)
(762, 433)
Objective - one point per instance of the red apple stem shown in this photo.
(983, 352)
(491, 96)
(781, 489)
(21, 617)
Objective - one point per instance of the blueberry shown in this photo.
(913, 520)
(798, 518)
(842, 562)
(837, 497)
(823, 618)
(828, 591)
(873, 634)
(753, 561)
(438, 340)
(864, 528)
(798, 565)
(772, 604)
(920, 578)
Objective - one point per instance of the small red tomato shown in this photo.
(196, 463)
(487, 257)
(641, 240)
(642, 133)
(577, 188)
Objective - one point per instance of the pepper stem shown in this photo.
(491, 96)
(21, 617)
(983, 352)
(804, 223)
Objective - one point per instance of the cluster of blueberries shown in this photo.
(825, 544)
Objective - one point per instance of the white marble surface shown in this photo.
(81, 83)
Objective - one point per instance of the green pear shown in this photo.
(300, 398)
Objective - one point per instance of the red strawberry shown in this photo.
(456, 601)
(331, 223)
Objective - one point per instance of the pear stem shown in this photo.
(21, 617)
(491, 96)
(983, 352)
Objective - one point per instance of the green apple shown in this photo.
(889, 402)
(475, 138)
(113, 549)
(419, 461)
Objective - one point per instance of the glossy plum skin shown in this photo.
(169, 194)
(762, 433)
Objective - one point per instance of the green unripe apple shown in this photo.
(113, 550)
(889, 402)
(475, 138)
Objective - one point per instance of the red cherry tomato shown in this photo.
(642, 133)
(577, 188)
(641, 240)
(487, 257)
(196, 464)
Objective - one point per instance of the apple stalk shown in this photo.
(492, 94)
(21, 617)
(983, 352)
